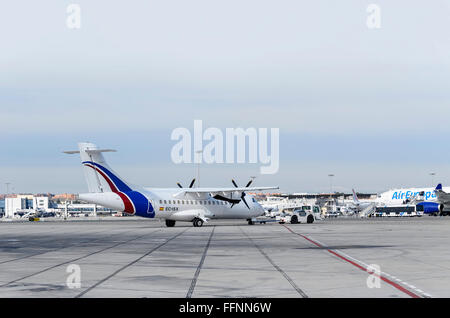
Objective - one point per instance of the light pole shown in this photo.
(7, 187)
(432, 174)
(331, 182)
(199, 153)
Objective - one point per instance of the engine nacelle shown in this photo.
(429, 207)
(441, 208)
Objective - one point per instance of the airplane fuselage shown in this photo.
(398, 196)
(163, 204)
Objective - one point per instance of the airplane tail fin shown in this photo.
(439, 187)
(355, 197)
(99, 176)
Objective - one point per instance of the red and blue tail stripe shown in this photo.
(114, 182)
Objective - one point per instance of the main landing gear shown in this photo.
(170, 223)
(197, 222)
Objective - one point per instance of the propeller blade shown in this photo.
(192, 183)
(243, 199)
(178, 184)
(249, 183)
(219, 197)
(234, 183)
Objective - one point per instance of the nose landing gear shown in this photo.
(197, 222)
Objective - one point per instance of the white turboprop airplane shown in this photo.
(195, 205)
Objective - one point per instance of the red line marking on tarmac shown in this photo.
(390, 282)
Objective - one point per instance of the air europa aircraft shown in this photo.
(426, 197)
(196, 205)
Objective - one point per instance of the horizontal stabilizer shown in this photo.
(100, 150)
(70, 152)
(99, 176)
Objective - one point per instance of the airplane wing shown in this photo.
(441, 195)
(203, 192)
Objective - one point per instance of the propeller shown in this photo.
(242, 194)
(190, 186)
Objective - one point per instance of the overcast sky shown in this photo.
(371, 106)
